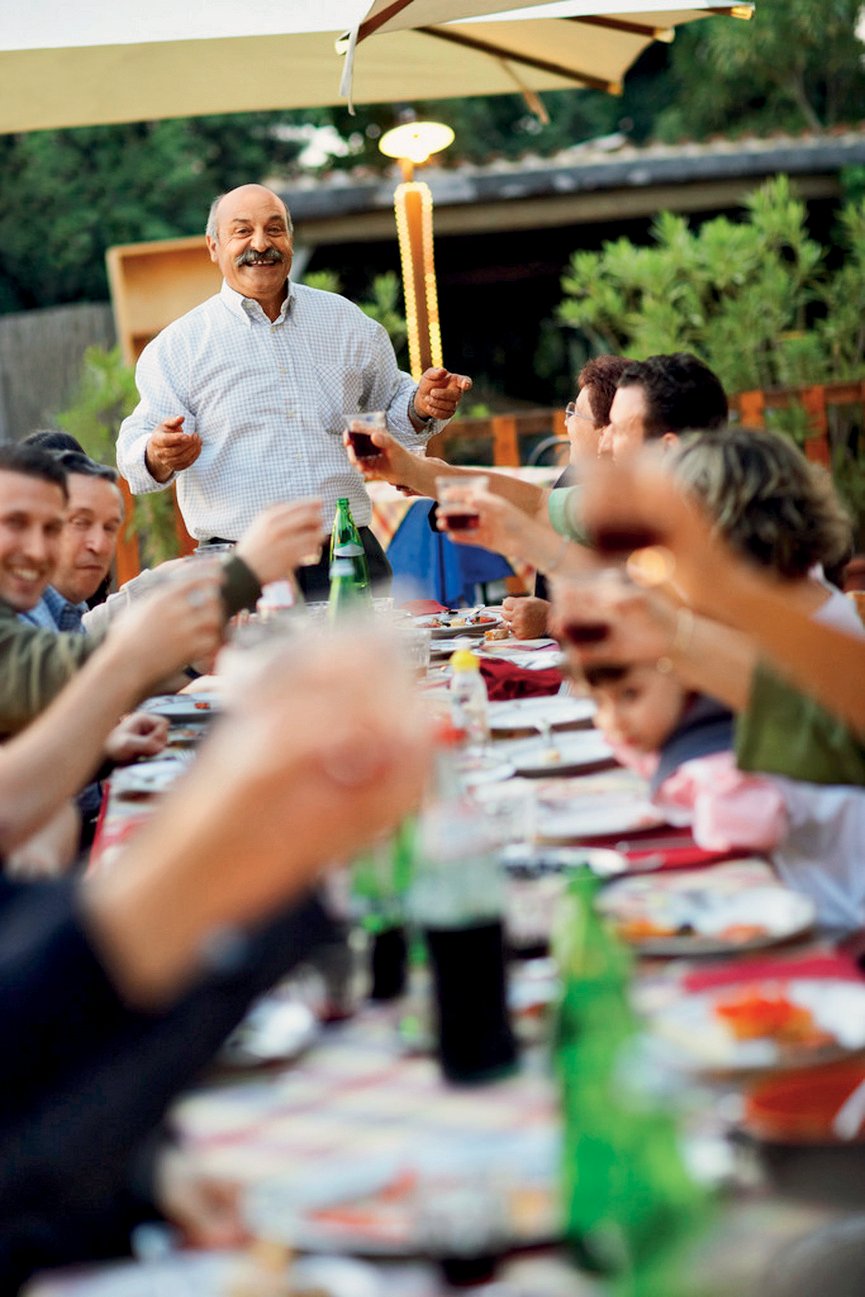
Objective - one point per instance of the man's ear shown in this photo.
(211, 247)
(669, 441)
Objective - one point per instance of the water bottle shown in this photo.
(469, 705)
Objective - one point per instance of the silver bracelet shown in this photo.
(683, 633)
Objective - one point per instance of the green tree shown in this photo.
(69, 195)
(796, 65)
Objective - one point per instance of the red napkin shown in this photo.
(505, 681)
(676, 850)
(423, 607)
(820, 964)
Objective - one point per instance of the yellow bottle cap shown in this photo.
(465, 660)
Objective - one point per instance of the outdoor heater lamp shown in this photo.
(412, 144)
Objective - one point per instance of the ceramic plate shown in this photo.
(561, 821)
(683, 914)
(450, 625)
(206, 1274)
(534, 862)
(187, 707)
(394, 1206)
(568, 755)
(147, 777)
(529, 713)
(696, 1038)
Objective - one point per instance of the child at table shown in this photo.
(683, 743)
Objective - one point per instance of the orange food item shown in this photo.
(753, 1014)
(640, 928)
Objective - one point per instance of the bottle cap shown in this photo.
(465, 660)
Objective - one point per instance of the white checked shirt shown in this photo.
(267, 399)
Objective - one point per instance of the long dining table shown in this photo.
(347, 1143)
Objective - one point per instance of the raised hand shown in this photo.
(439, 392)
(170, 449)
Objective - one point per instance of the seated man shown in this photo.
(94, 516)
(35, 662)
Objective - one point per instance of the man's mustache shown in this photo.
(270, 256)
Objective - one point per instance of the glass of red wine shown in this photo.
(360, 427)
(454, 494)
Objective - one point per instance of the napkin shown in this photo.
(813, 964)
(505, 681)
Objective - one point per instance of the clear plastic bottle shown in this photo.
(469, 705)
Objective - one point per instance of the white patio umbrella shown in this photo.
(96, 61)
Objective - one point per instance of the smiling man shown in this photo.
(94, 516)
(243, 398)
(34, 664)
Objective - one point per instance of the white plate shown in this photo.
(696, 1039)
(700, 915)
(529, 713)
(273, 1030)
(450, 625)
(148, 776)
(206, 1274)
(569, 754)
(594, 818)
(187, 707)
(523, 861)
(387, 1201)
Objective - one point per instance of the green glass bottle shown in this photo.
(345, 542)
(344, 594)
(629, 1201)
(379, 881)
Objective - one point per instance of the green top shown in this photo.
(36, 664)
(563, 511)
(784, 732)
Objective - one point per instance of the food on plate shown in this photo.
(755, 1013)
(643, 928)
(497, 632)
(744, 932)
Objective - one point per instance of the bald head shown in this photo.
(249, 238)
(250, 191)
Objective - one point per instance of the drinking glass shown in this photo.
(360, 426)
(454, 495)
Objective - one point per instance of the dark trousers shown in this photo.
(315, 581)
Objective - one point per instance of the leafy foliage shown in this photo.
(754, 298)
(106, 394)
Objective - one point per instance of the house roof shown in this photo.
(606, 179)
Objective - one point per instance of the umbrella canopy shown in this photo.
(99, 61)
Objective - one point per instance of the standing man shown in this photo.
(243, 398)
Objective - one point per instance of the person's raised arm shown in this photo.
(329, 749)
(58, 752)
(824, 662)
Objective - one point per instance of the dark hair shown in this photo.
(75, 461)
(30, 461)
(51, 439)
(604, 673)
(601, 375)
(682, 394)
(768, 500)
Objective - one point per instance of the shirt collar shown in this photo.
(66, 615)
(248, 310)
